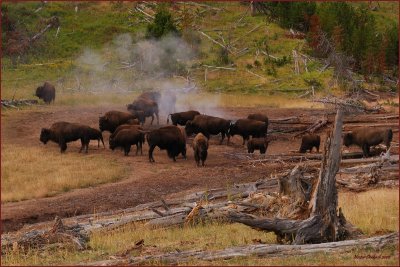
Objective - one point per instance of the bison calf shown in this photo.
(200, 147)
(65, 132)
(126, 138)
(366, 137)
(309, 141)
(260, 144)
(47, 92)
(95, 134)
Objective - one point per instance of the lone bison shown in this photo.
(95, 134)
(182, 117)
(65, 132)
(208, 125)
(147, 106)
(309, 141)
(47, 92)
(247, 128)
(366, 137)
(112, 119)
(169, 138)
(258, 117)
(260, 144)
(126, 138)
(200, 147)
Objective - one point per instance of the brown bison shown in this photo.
(139, 114)
(182, 117)
(148, 106)
(308, 142)
(124, 127)
(112, 119)
(95, 134)
(257, 144)
(200, 147)
(247, 128)
(208, 125)
(47, 92)
(126, 138)
(258, 117)
(151, 95)
(65, 132)
(366, 137)
(169, 138)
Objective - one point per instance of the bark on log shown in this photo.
(261, 250)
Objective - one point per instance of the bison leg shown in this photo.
(82, 145)
(152, 119)
(365, 149)
(222, 139)
(127, 149)
(151, 149)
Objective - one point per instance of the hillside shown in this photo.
(94, 33)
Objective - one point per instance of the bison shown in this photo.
(95, 134)
(258, 117)
(112, 119)
(182, 117)
(308, 142)
(140, 116)
(169, 138)
(208, 125)
(257, 144)
(366, 137)
(151, 95)
(124, 127)
(200, 147)
(247, 127)
(65, 132)
(47, 92)
(126, 138)
(148, 106)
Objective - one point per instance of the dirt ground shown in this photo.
(145, 181)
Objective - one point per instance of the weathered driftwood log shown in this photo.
(260, 250)
(326, 223)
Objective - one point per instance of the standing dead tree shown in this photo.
(326, 223)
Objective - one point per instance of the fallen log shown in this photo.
(260, 250)
(316, 126)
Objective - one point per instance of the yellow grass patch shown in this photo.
(34, 172)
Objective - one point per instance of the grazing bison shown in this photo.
(200, 147)
(309, 141)
(112, 119)
(126, 138)
(366, 137)
(208, 125)
(169, 138)
(258, 117)
(182, 117)
(257, 144)
(65, 132)
(247, 128)
(47, 92)
(148, 106)
(95, 134)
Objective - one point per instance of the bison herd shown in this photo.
(127, 129)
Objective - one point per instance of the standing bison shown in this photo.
(200, 147)
(247, 128)
(65, 132)
(309, 141)
(366, 137)
(47, 92)
(112, 119)
(169, 138)
(208, 125)
(126, 138)
(182, 117)
(95, 134)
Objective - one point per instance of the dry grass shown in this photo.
(373, 211)
(32, 172)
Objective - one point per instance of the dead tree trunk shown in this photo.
(326, 223)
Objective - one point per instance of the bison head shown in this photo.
(39, 91)
(348, 139)
(103, 123)
(112, 144)
(45, 135)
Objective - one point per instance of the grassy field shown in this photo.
(26, 176)
(375, 212)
